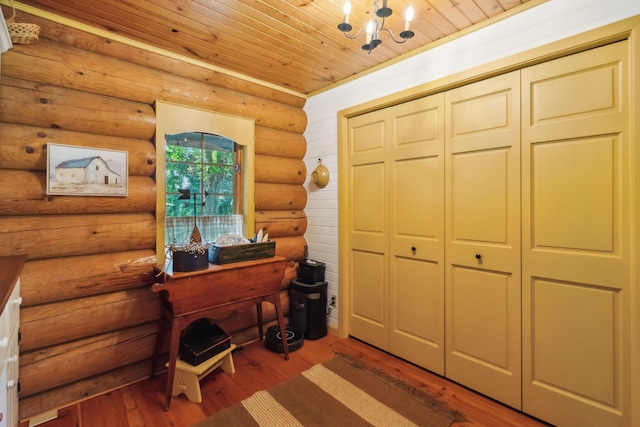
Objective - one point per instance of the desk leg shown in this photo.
(176, 327)
(158, 346)
(259, 310)
(283, 332)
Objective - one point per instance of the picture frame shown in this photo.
(85, 171)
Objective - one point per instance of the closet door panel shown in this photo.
(369, 203)
(480, 335)
(367, 135)
(482, 153)
(416, 197)
(416, 291)
(417, 271)
(576, 101)
(368, 310)
(416, 328)
(369, 228)
(576, 246)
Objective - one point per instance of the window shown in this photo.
(202, 186)
(209, 154)
(206, 165)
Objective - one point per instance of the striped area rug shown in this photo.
(340, 392)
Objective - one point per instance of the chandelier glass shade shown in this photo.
(376, 26)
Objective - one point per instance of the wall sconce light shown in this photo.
(320, 175)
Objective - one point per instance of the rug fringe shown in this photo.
(427, 398)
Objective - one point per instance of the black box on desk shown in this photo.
(202, 341)
(311, 271)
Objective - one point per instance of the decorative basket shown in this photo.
(22, 33)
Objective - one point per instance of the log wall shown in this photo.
(88, 317)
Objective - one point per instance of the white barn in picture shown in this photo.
(90, 170)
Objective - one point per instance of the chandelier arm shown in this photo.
(393, 36)
(355, 36)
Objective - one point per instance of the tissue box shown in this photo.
(311, 271)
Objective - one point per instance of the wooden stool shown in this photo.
(187, 377)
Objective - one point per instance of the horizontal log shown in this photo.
(292, 248)
(65, 321)
(45, 325)
(281, 223)
(279, 170)
(279, 196)
(98, 262)
(240, 337)
(62, 108)
(251, 334)
(99, 384)
(243, 318)
(75, 361)
(24, 193)
(84, 359)
(78, 358)
(290, 273)
(49, 236)
(94, 73)
(239, 321)
(57, 32)
(244, 329)
(279, 143)
(25, 147)
(82, 390)
(57, 279)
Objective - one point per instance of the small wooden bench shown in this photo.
(187, 377)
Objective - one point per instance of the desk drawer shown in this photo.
(191, 293)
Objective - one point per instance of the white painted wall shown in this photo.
(541, 25)
(5, 38)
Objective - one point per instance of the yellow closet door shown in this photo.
(482, 153)
(576, 204)
(368, 228)
(416, 292)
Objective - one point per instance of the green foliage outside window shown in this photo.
(203, 163)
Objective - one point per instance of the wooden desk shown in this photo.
(215, 293)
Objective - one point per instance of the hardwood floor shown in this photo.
(257, 368)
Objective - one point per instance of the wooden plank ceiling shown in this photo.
(293, 44)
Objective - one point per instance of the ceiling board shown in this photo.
(291, 44)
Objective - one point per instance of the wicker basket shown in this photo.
(22, 33)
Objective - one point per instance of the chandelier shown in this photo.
(376, 25)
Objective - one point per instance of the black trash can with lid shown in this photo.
(308, 308)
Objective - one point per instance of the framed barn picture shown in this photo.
(82, 171)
